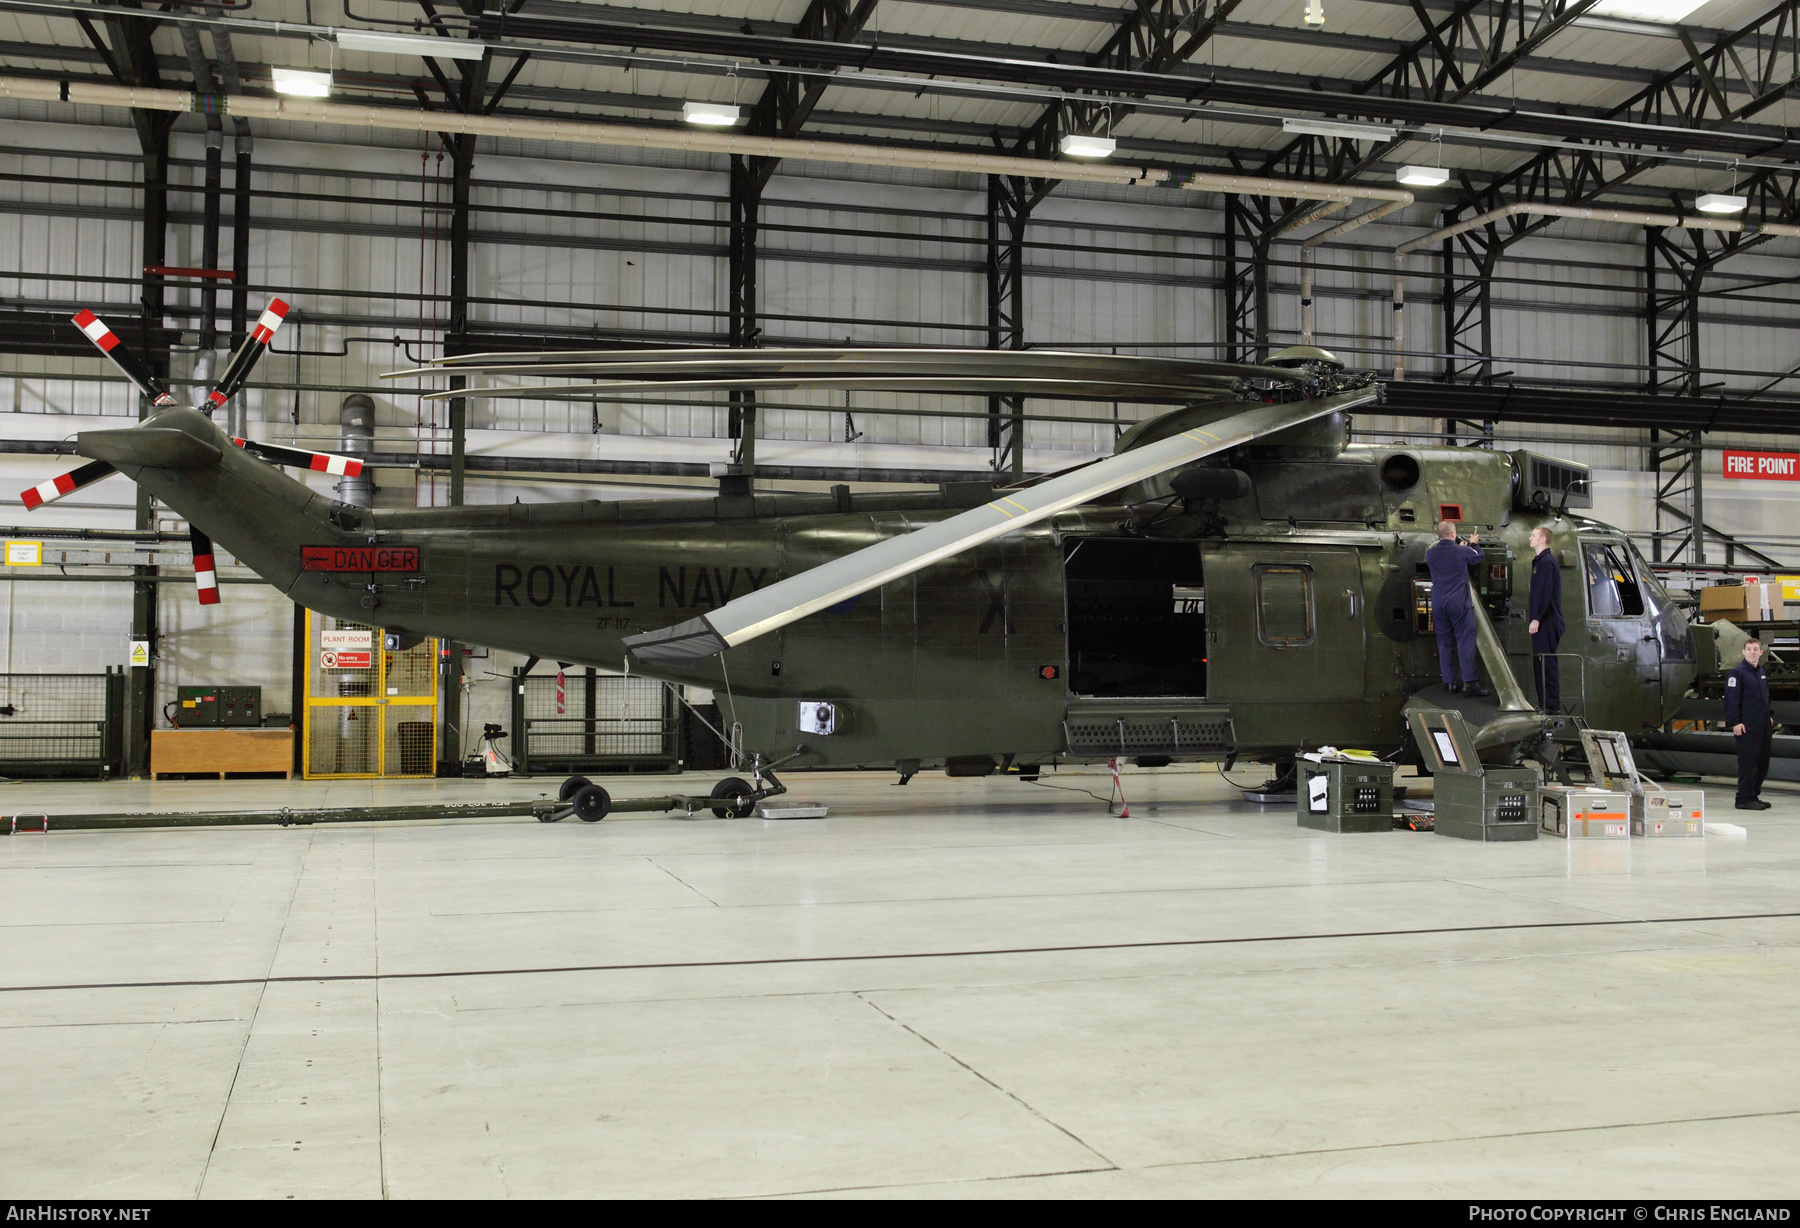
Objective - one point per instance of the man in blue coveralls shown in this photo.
(1545, 612)
(1449, 561)
(1752, 720)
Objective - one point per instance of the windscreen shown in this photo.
(1672, 628)
(1612, 582)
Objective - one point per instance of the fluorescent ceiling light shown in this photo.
(1077, 146)
(1720, 202)
(712, 114)
(411, 44)
(1666, 12)
(302, 82)
(1424, 176)
(1335, 127)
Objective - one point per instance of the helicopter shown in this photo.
(1237, 581)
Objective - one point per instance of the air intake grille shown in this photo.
(1139, 734)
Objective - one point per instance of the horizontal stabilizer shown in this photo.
(158, 447)
(771, 608)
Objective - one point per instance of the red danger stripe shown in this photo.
(96, 330)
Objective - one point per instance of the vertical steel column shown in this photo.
(1467, 301)
(746, 208)
(1246, 317)
(1008, 213)
(1672, 352)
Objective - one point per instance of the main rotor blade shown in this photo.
(769, 609)
(107, 342)
(300, 458)
(977, 385)
(206, 576)
(255, 342)
(65, 484)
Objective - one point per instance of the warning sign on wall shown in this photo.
(345, 659)
(1777, 466)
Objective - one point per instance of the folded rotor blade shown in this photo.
(94, 329)
(206, 576)
(263, 332)
(66, 484)
(768, 609)
(300, 458)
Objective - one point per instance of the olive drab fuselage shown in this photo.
(1297, 620)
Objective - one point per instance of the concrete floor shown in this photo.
(960, 988)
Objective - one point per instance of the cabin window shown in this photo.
(1612, 585)
(1284, 605)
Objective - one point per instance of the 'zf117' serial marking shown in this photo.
(542, 585)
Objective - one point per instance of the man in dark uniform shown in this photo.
(1545, 612)
(1752, 720)
(1449, 561)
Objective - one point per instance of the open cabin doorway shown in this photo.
(1136, 616)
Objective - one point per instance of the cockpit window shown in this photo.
(1671, 621)
(1612, 584)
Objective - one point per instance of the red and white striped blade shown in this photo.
(206, 575)
(318, 462)
(94, 329)
(65, 484)
(238, 372)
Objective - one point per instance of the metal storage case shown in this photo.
(1583, 814)
(1472, 801)
(1668, 812)
(1345, 795)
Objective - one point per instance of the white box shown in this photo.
(1668, 812)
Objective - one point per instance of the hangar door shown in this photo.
(370, 710)
(1284, 623)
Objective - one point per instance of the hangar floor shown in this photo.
(959, 988)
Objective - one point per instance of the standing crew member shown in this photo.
(1545, 612)
(1752, 720)
(1449, 561)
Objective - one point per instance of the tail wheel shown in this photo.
(571, 787)
(733, 798)
(591, 803)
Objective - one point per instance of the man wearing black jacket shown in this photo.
(1752, 720)
(1545, 612)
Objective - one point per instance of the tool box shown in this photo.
(1584, 814)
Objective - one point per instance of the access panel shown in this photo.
(1284, 623)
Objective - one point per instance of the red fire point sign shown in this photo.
(1779, 466)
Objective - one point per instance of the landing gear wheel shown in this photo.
(571, 787)
(733, 798)
(591, 803)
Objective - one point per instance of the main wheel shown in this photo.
(733, 798)
(571, 787)
(591, 803)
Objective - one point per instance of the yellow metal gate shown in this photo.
(369, 711)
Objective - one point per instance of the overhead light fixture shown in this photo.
(411, 44)
(1423, 176)
(1665, 12)
(1314, 16)
(711, 114)
(1721, 202)
(302, 82)
(1335, 127)
(1076, 145)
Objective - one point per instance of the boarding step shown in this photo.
(1161, 725)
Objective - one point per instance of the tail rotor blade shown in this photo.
(66, 484)
(318, 462)
(107, 342)
(263, 332)
(206, 576)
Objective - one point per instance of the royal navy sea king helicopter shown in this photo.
(1238, 581)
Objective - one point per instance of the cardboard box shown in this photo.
(1724, 601)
